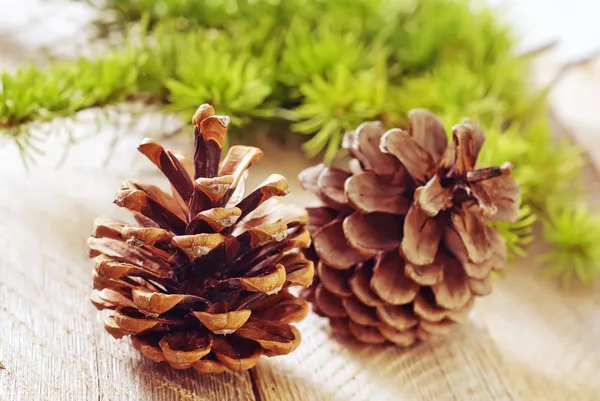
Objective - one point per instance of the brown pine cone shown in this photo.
(202, 279)
(392, 269)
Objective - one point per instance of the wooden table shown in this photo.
(529, 340)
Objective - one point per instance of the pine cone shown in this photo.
(401, 239)
(202, 279)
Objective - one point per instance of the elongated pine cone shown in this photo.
(401, 239)
(201, 280)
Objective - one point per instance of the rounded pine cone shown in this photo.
(401, 240)
(202, 279)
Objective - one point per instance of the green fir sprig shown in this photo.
(574, 232)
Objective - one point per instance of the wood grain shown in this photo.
(339, 369)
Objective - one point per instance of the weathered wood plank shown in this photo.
(462, 367)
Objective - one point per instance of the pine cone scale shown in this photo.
(401, 338)
(299, 271)
(282, 307)
(359, 312)
(469, 139)
(421, 237)
(360, 284)
(236, 353)
(453, 291)
(153, 302)
(214, 220)
(124, 256)
(372, 233)
(223, 323)
(400, 317)
(481, 287)
(170, 166)
(426, 275)
(473, 232)
(418, 162)
(275, 185)
(331, 183)
(276, 338)
(109, 299)
(335, 281)
(505, 193)
(428, 132)
(209, 136)
(137, 200)
(367, 334)
(318, 217)
(368, 194)
(330, 243)
(161, 197)
(238, 160)
(389, 281)
(364, 145)
(131, 322)
(329, 304)
(209, 192)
